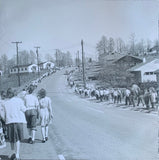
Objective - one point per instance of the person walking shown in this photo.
(132, 98)
(14, 118)
(115, 95)
(127, 96)
(45, 113)
(153, 97)
(147, 98)
(140, 97)
(119, 96)
(32, 104)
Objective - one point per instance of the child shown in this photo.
(45, 113)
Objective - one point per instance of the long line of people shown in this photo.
(17, 109)
(148, 97)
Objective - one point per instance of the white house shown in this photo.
(145, 72)
(46, 65)
(30, 68)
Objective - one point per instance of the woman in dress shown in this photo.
(45, 113)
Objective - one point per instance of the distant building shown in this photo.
(30, 68)
(157, 77)
(153, 50)
(46, 65)
(127, 61)
(145, 72)
(92, 71)
(109, 58)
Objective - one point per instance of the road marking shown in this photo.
(95, 110)
(61, 157)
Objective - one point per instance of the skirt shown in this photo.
(15, 132)
(44, 117)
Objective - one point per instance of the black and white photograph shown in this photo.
(79, 79)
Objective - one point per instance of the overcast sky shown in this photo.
(62, 24)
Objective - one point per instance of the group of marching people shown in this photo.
(26, 107)
(131, 96)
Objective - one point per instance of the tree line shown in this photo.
(29, 57)
(110, 45)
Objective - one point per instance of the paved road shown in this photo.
(89, 131)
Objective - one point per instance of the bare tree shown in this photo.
(132, 44)
(33, 57)
(140, 48)
(102, 46)
(111, 45)
(120, 45)
(4, 63)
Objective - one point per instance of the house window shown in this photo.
(146, 73)
(14, 70)
(11, 70)
(25, 68)
(21, 69)
(149, 73)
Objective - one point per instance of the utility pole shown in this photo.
(17, 61)
(158, 36)
(37, 58)
(83, 65)
(56, 58)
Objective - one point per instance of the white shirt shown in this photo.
(31, 101)
(14, 110)
(127, 92)
(2, 114)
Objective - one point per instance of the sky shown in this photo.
(61, 24)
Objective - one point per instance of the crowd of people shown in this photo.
(25, 107)
(133, 96)
(16, 111)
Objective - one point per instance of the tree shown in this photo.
(132, 44)
(4, 63)
(157, 46)
(111, 46)
(116, 77)
(33, 57)
(140, 48)
(23, 57)
(102, 46)
(49, 57)
(120, 45)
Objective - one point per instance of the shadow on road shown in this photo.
(36, 141)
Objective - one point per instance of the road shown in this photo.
(83, 130)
